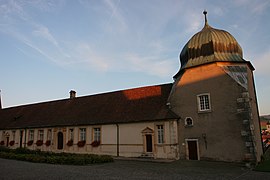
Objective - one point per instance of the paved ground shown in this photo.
(127, 169)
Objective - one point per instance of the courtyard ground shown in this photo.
(129, 169)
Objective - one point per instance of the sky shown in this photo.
(49, 47)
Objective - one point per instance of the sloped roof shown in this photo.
(132, 105)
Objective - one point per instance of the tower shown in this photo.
(214, 94)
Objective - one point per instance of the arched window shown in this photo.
(188, 121)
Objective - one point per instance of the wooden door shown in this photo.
(7, 141)
(60, 140)
(192, 150)
(149, 144)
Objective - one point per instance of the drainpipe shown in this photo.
(117, 140)
(24, 138)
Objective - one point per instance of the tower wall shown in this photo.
(219, 131)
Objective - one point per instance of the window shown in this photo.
(71, 134)
(188, 121)
(96, 134)
(82, 134)
(49, 135)
(13, 135)
(204, 102)
(40, 135)
(160, 131)
(31, 135)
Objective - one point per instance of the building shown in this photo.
(209, 112)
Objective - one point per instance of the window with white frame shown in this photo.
(160, 131)
(188, 121)
(40, 135)
(96, 134)
(49, 135)
(31, 135)
(82, 134)
(13, 135)
(71, 134)
(204, 102)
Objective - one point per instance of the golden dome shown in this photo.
(210, 45)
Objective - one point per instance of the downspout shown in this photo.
(24, 137)
(117, 140)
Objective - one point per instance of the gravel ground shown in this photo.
(129, 169)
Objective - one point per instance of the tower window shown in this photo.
(188, 121)
(204, 102)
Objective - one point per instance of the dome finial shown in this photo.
(205, 18)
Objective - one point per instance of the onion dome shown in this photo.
(210, 45)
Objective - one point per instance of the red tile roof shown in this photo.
(133, 105)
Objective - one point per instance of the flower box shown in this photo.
(95, 143)
(48, 142)
(81, 143)
(2, 143)
(70, 143)
(29, 143)
(39, 142)
(11, 143)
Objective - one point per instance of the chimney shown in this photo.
(72, 94)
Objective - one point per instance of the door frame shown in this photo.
(187, 149)
(150, 132)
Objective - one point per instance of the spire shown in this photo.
(205, 18)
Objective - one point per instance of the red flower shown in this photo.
(29, 143)
(81, 143)
(95, 143)
(70, 143)
(2, 143)
(48, 142)
(39, 142)
(11, 143)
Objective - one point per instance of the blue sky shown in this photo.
(49, 47)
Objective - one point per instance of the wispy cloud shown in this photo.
(44, 32)
(262, 63)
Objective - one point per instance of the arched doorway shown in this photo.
(60, 140)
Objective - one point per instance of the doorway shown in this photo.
(149, 143)
(192, 149)
(60, 140)
(21, 136)
(7, 141)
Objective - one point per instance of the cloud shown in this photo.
(116, 19)
(254, 6)
(152, 65)
(44, 32)
(261, 63)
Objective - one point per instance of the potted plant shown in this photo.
(29, 143)
(95, 143)
(11, 143)
(48, 142)
(70, 142)
(81, 143)
(39, 142)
